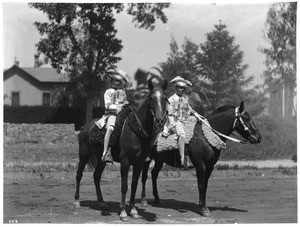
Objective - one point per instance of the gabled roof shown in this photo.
(40, 74)
(45, 74)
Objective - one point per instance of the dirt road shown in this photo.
(234, 196)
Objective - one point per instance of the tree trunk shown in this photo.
(89, 109)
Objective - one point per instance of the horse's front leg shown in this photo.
(144, 180)
(124, 187)
(84, 156)
(201, 171)
(137, 168)
(97, 177)
(154, 173)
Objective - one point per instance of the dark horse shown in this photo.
(135, 144)
(225, 120)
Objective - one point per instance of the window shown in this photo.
(46, 99)
(15, 98)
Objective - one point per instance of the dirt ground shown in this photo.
(234, 196)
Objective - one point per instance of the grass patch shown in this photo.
(235, 167)
(287, 171)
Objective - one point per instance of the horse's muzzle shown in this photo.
(160, 123)
(255, 139)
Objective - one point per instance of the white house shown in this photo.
(30, 85)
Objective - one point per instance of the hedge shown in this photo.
(48, 114)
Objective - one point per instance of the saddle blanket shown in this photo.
(170, 142)
(212, 138)
(96, 135)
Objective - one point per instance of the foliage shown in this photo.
(136, 96)
(80, 40)
(182, 63)
(67, 96)
(216, 71)
(144, 14)
(221, 62)
(280, 32)
(255, 100)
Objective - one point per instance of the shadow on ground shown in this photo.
(114, 209)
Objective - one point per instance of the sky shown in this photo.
(145, 49)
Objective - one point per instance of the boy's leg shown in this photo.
(107, 157)
(181, 142)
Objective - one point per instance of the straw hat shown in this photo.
(118, 75)
(179, 81)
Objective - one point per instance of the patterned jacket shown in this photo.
(114, 100)
(180, 108)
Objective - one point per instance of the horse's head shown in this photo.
(245, 126)
(157, 103)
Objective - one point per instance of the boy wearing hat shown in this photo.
(114, 100)
(179, 111)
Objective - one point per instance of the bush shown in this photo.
(279, 140)
(48, 115)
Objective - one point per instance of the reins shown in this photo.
(140, 132)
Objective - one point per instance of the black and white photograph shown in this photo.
(144, 112)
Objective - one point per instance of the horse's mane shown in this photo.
(222, 109)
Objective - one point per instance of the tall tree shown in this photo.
(221, 62)
(280, 32)
(80, 40)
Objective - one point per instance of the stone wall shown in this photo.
(39, 133)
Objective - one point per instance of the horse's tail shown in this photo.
(92, 161)
(84, 146)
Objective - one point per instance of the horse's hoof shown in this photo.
(144, 203)
(77, 204)
(205, 212)
(135, 216)
(124, 219)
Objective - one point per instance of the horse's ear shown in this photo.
(165, 85)
(150, 84)
(242, 107)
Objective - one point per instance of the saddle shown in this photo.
(96, 135)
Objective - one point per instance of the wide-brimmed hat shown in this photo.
(118, 75)
(179, 81)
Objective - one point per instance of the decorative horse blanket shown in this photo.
(212, 138)
(170, 142)
(96, 135)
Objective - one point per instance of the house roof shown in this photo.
(39, 74)
(45, 74)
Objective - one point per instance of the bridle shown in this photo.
(238, 116)
(151, 109)
(136, 125)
